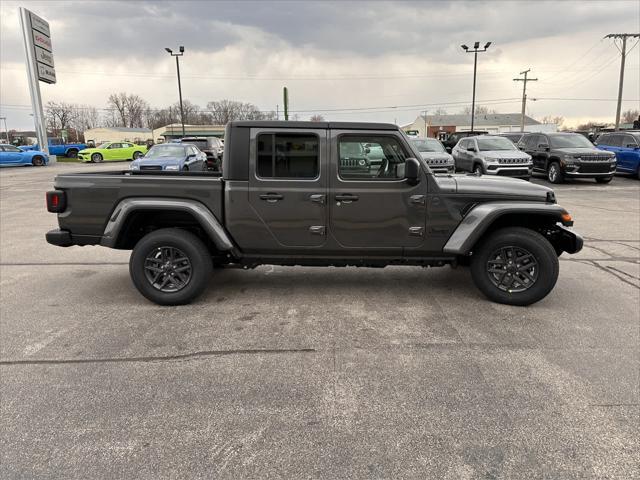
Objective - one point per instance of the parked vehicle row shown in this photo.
(12, 155)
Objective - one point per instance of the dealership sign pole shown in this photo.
(40, 66)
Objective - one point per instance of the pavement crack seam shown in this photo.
(608, 270)
(159, 358)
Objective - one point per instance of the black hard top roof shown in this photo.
(297, 124)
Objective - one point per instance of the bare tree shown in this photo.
(443, 111)
(86, 117)
(225, 111)
(128, 109)
(480, 110)
(558, 120)
(316, 118)
(59, 116)
(630, 116)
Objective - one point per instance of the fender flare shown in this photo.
(479, 218)
(202, 214)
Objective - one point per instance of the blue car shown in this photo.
(626, 146)
(10, 155)
(172, 157)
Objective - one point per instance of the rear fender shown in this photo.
(202, 214)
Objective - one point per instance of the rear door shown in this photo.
(288, 184)
(113, 152)
(626, 152)
(372, 207)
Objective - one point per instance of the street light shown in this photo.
(178, 55)
(6, 130)
(475, 51)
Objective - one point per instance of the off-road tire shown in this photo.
(37, 161)
(477, 168)
(604, 179)
(538, 246)
(194, 250)
(554, 173)
(72, 153)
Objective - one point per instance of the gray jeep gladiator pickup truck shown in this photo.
(293, 193)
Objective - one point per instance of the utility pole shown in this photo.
(524, 94)
(623, 51)
(475, 51)
(178, 55)
(425, 124)
(285, 94)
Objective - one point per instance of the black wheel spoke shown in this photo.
(512, 268)
(168, 269)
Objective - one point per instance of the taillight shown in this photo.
(56, 201)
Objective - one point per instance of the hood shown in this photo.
(504, 154)
(163, 162)
(580, 151)
(489, 185)
(428, 156)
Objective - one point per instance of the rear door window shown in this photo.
(287, 155)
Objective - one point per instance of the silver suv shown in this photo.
(492, 155)
(434, 153)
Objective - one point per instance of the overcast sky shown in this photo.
(337, 58)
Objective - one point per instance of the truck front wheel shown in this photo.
(515, 266)
(170, 266)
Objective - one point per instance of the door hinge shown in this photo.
(418, 199)
(317, 229)
(416, 231)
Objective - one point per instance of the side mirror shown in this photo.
(412, 171)
(448, 149)
(367, 150)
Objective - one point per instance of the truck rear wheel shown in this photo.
(515, 266)
(170, 266)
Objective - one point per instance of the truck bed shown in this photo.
(92, 197)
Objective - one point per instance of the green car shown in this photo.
(112, 151)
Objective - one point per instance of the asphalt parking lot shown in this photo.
(278, 372)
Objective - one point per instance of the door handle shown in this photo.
(347, 198)
(317, 198)
(271, 197)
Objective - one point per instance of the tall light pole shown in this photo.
(178, 55)
(475, 51)
(6, 130)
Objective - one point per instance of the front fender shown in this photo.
(202, 214)
(480, 218)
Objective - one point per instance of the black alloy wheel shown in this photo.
(167, 269)
(512, 269)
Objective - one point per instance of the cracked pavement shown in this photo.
(279, 372)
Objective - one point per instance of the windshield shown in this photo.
(165, 151)
(428, 145)
(570, 141)
(495, 143)
(104, 145)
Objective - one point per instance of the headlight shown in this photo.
(134, 167)
(172, 167)
(362, 162)
(570, 159)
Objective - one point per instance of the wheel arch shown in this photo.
(486, 218)
(134, 217)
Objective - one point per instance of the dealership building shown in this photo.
(117, 134)
(439, 126)
(174, 131)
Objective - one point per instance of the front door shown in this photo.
(372, 205)
(288, 186)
